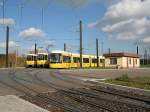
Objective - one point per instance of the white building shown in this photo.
(122, 60)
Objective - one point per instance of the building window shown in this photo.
(101, 60)
(136, 61)
(85, 60)
(66, 59)
(130, 61)
(113, 61)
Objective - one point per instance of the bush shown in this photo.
(124, 78)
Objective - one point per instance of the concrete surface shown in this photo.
(12, 103)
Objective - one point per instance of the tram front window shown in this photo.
(29, 58)
(55, 58)
(40, 57)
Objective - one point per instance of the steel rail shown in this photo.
(54, 101)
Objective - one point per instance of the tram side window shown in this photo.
(40, 57)
(85, 60)
(66, 59)
(35, 58)
(94, 60)
(46, 57)
(76, 60)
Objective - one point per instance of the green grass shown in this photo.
(137, 82)
(145, 65)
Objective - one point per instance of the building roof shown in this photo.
(122, 54)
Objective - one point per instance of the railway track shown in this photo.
(95, 96)
(101, 90)
(76, 99)
(123, 94)
(58, 75)
(34, 94)
(65, 90)
(55, 101)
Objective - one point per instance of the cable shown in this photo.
(42, 14)
(3, 10)
(21, 15)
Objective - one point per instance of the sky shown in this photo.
(118, 24)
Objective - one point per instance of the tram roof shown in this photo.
(58, 51)
(31, 54)
(74, 54)
(43, 53)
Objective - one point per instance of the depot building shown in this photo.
(122, 60)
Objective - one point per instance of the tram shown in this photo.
(42, 60)
(61, 59)
(31, 60)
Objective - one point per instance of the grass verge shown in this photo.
(137, 82)
(143, 66)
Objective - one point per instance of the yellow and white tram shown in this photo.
(61, 59)
(31, 60)
(42, 60)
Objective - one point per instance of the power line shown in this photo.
(42, 17)
(21, 15)
(3, 11)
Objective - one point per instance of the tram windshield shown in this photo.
(29, 58)
(55, 58)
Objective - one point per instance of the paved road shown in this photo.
(63, 78)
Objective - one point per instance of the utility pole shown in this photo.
(97, 53)
(16, 55)
(81, 44)
(64, 46)
(7, 45)
(137, 50)
(109, 50)
(102, 48)
(35, 49)
(145, 57)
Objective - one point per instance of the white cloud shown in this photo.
(11, 44)
(126, 20)
(146, 40)
(32, 32)
(129, 30)
(93, 24)
(126, 9)
(7, 22)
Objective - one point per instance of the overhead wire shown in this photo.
(42, 17)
